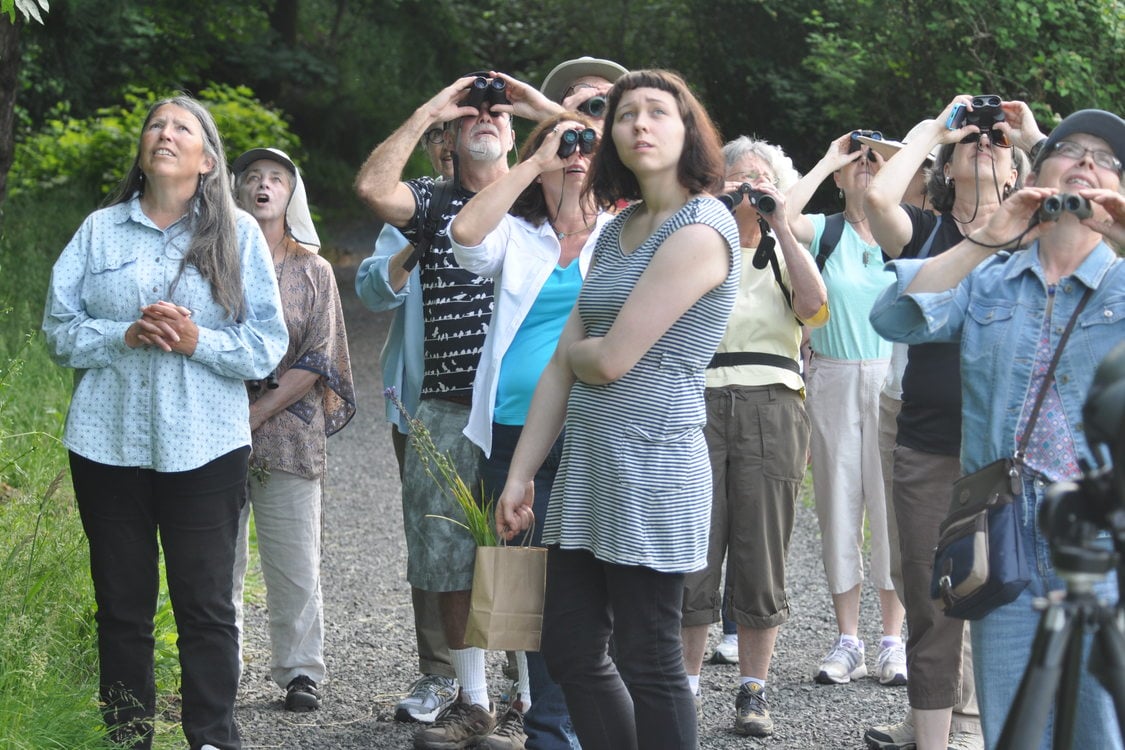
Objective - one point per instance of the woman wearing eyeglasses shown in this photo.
(1004, 311)
(974, 171)
(533, 232)
(844, 379)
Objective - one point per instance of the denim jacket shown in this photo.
(996, 313)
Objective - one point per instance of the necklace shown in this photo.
(563, 235)
(856, 221)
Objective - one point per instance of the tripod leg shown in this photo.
(1107, 660)
(1027, 717)
(1066, 698)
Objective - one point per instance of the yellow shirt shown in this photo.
(761, 321)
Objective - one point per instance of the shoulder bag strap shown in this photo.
(829, 238)
(430, 222)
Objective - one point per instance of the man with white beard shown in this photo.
(457, 309)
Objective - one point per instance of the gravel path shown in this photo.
(370, 635)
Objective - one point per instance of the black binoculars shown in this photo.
(1055, 205)
(986, 112)
(855, 144)
(594, 106)
(577, 140)
(756, 198)
(490, 90)
(269, 382)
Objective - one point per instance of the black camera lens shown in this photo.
(594, 106)
(480, 82)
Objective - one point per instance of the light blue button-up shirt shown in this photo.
(402, 359)
(996, 313)
(146, 407)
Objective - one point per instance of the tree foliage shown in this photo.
(96, 151)
(798, 73)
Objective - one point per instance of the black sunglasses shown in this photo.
(996, 137)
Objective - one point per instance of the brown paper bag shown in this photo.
(506, 611)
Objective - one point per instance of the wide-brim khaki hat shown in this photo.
(888, 148)
(560, 78)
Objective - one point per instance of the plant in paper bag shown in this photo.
(439, 466)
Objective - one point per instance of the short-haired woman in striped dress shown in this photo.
(629, 512)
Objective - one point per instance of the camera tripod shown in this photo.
(1055, 665)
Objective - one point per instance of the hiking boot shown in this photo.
(301, 694)
(752, 712)
(428, 697)
(965, 741)
(844, 663)
(726, 652)
(891, 666)
(509, 733)
(898, 736)
(459, 726)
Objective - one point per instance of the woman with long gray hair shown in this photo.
(164, 302)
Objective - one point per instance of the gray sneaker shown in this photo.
(843, 664)
(752, 712)
(428, 697)
(460, 726)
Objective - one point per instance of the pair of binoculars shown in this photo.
(269, 382)
(594, 106)
(1056, 205)
(490, 90)
(986, 112)
(756, 198)
(577, 140)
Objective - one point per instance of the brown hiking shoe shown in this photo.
(460, 726)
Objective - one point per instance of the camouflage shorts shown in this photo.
(439, 553)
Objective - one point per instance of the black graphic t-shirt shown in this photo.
(456, 304)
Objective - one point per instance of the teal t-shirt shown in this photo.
(534, 343)
(854, 277)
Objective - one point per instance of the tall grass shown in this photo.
(48, 652)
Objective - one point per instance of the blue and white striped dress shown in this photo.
(634, 485)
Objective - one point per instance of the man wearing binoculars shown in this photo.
(582, 84)
(456, 309)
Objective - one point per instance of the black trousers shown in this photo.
(195, 514)
(639, 699)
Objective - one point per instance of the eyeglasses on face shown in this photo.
(996, 137)
(751, 176)
(579, 87)
(1072, 150)
(434, 136)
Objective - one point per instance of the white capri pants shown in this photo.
(843, 407)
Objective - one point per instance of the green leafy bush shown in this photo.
(95, 152)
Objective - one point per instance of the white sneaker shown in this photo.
(727, 651)
(891, 666)
(844, 663)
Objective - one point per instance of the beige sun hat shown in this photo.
(561, 76)
(888, 148)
